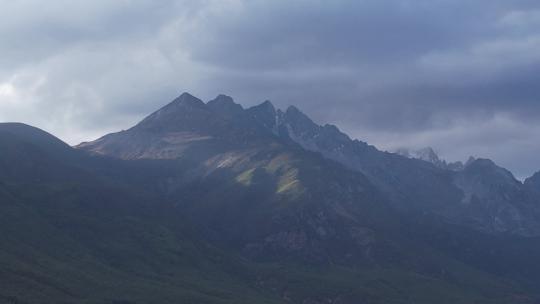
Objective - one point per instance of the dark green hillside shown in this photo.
(68, 236)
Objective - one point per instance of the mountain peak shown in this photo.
(292, 110)
(428, 154)
(180, 111)
(225, 106)
(294, 114)
(264, 107)
(222, 99)
(265, 114)
(486, 168)
(301, 124)
(267, 104)
(186, 99)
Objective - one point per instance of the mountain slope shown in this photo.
(420, 185)
(244, 181)
(70, 235)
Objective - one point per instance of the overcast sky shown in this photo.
(462, 76)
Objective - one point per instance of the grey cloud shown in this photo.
(458, 75)
(303, 33)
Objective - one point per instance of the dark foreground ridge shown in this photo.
(214, 203)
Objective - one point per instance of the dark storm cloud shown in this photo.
(349, 33)
(459, 75)
(409, 57)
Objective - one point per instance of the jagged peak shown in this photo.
(333, 130)
(487, 167)
(265, 114)
(483, 164)
(293, 113)
(264, 107)
(186, 99)
(225, 105)
(268, 105)
(428, 150)
(181, 105)
(292, 110)
(428, 154)
(223, 99)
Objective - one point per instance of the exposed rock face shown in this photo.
(225, 106)
(495, 200)
(429, 155)
(185, 124)
(163, 134)
(501, 203)
(266, 115)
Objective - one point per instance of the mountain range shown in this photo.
(213, 203)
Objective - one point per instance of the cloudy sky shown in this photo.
(462, 76)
